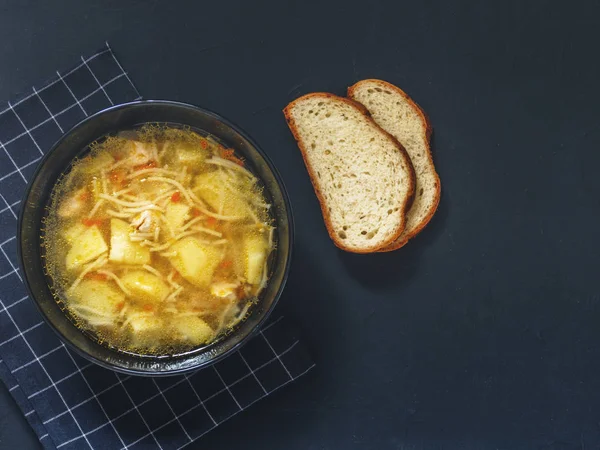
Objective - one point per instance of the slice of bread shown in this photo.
(397, 114)
(362, 176)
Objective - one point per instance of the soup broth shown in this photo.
(158, 241)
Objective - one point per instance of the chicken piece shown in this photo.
(141, 153)
(145, 222)
(224, 290)
(74, 204)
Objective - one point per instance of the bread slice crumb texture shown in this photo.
(361, 175)
(397, 114)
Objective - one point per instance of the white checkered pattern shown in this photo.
(71, 403)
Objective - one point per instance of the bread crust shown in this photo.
(312, 174)
(403, 239)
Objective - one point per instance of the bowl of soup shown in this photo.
(155, 237)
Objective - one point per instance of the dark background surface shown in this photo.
(484, 332)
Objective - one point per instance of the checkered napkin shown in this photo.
(69, 402)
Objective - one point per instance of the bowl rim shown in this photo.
(268, 311)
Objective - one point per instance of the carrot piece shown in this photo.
(203, 144)
(117, 176)
(176, 197)
(237, 160)
(84, 196)
(96, 276)
(229, 155)
(91, 222)
(120, 306)
(195, 212)
(148, 307)
(148, 165)
(225, 264)
(226, 152)
(211, 221)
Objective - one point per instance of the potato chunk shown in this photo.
(255, 254)
(195, 261)
(210, 187)
(194, 330)
(86, 247)
(73, 232)
(122, 249)
(191, 155)
(176, 214)
(98, 296)
(145, 286)
(145, 324)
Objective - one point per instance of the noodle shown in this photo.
(164, 195)
(104, 182)
(140, 234)
(263, 279)
(116, 201)
(94, 311)
(177, 184)
(95, 208)
(142, 209)
(152, 270)
(207, 230)
(186, 233)
(132, 198)
(124, 311)
(119, 164)
(189, 313)
(231, 165)
(120, 215)
(137, 173)
(218, 216)
(174, 294)
(159, 248)
(116, 279)
(102, 260)
(99, 323)
(122, 192)
(241, 316)
(190, 223)
(171, 281)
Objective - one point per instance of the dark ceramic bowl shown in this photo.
(58, 161)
